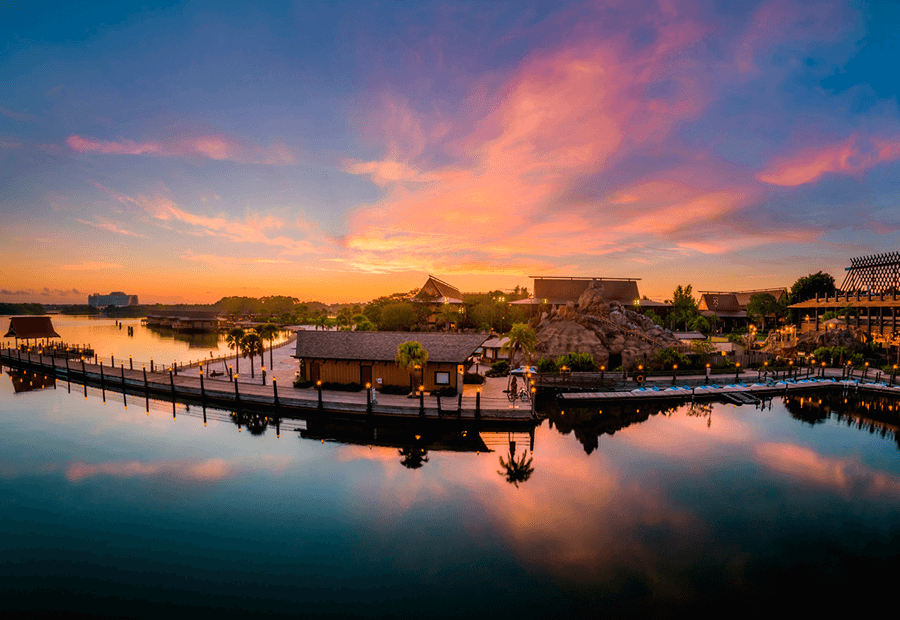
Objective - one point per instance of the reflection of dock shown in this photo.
(740, 393)
(247, 396)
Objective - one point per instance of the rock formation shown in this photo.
(601, 328)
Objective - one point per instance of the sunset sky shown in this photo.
(340, 151)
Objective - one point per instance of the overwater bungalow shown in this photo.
(31, 328)
(369, 357)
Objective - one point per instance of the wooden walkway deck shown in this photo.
(225, 394)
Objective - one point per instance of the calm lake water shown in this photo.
(111, 510)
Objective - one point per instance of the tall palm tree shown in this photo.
(234, 338)
(268, 332)
(252, 345)
(522, 339)
(412, 355)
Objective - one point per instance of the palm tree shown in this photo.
(516, 471)
(234, 338)
(252, 345)
(321, 320)
(412, 355)
(521, 339)
(448, 315)
(268, 332)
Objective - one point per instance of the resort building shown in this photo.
(730, 307)
(554, 292)
(492, 350)
(438, 294)
(868, 299)
(116, 298)
(185, 320)
(369, 357)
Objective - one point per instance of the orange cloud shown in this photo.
(852, 156)
(90, 266)
(218, 147)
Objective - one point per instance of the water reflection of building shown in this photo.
(875, 415)
(26, 381)
(589, 423)
(415, 439)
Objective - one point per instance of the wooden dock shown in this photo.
(230, 395)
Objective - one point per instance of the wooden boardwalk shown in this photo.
(230, 395)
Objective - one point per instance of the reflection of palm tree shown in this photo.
(233, 339)
(413, 457)
(516, 471)
(256, 423)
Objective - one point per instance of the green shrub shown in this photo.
(498, 369)
(401, 390)
(546, 364)
(448, 390)
(472, 378)
(301, 383)
(666, 358)
(342, 387)
(577, 362)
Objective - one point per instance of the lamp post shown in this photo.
(865, 371)
(737, 371)
(263, 374)
(674, 373)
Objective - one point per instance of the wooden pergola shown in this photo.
(30, 328)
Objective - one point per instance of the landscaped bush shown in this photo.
(445, 391)
(472, 378)
(498, 369)
(401, 390)
(342, 387)
(577, 362)
(838, 356)
(545, 364)
(300, 382)
(666, 358)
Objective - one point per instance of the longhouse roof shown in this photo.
(31, 327)
(382, 346)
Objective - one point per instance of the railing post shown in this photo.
(146, 387)
(123, 377)
(275, 390)
(172, 384)
(202, 388)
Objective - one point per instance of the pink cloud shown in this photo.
(845, 475)
(253, 228)
(218, 147)
(562, 116)
(104, 224)
(210, 470)
(852, 156)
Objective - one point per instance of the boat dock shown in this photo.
(232, 395)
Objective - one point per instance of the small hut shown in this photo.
(30, 328)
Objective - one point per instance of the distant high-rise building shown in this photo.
(116, 298)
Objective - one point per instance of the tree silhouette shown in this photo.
(234, 339)
(413, 457)
(268, 332)
(522, 339)
(252, 345)
(516, 471)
